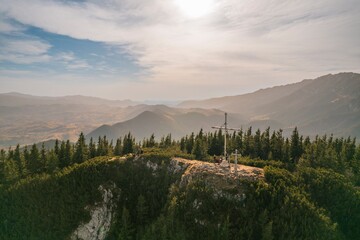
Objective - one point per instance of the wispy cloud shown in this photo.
(24, 51)
(71, 61)
(248, 44)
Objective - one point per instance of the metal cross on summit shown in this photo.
(226, 128)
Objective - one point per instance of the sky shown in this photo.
(172, 49)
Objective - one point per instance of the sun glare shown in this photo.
(195, 8)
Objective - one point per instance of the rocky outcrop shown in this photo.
(221, 178)
(102, 215)
(217, 174)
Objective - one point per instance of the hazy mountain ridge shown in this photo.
(245, 103)
(328, 104)
(178, 122)
(19, 99)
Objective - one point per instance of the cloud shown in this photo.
(72, 62)
(241, 43)
(23, 51)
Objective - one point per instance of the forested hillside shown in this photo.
(309, 189)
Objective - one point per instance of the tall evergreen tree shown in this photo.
(11, 171)
(265, 144)
(92, 148)
(248, 143)
(183, 144)
(43, 158)
(128, 145)
(118, 147)
(199, 150)
(286, 152)
(57, 147)
(295, 148)
(34, 163)
(68, 153)
(26, 155)
(2, 165)
(81, 150)
(19, 160)
(257, 152)
(52, 161)
(62, 150)
(277, 145)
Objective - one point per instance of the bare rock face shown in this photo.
(221, 175)
(101, 218)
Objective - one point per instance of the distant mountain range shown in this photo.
(328, 104)
(178, 122)
(27, 119)
(15, 99)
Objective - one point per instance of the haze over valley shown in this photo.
(328, 104)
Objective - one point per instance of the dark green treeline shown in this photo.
(339, 154)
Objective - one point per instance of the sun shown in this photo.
(195, 8)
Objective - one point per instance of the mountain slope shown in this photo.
(328, 104)
(177, 122)
(246, 103)
(18, 99)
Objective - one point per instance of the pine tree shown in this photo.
(286, 151)
(265, 144)
(43, 158)
(68, 153)
(10, 154)
(248, 143)
(257, 145)
(355, 164)
(295, 148)
(128, 145)
(62, 160)
(2, 165)
(57, 148)
(34, 163)
(199, 150)
(92, 148)
(19, 160)
(151, 142)
(168, 141)
(81, 150)
(11, 171)
(118, 147)
(26, 155)
(52, 161)
(277, 143)
(190, 143)
(182, 144)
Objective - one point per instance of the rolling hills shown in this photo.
(328, 104)
(161, 121)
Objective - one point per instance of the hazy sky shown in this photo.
(172, 49)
